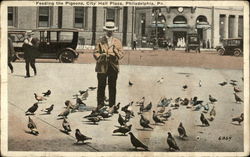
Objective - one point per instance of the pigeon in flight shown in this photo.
(171, 142)
(80, 137)
(66, 126)
(237, 98)
(32, 127)
(204, 120)
(238, 119)
(47, 93)
(182, 131)
(123, 129)
(184, 87)
(39, 98)
(49, 109)
(136, 143)
(32, 109)
(145, 122)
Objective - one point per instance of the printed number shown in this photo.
(225, 138)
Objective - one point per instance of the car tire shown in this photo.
(221, 52)
(237, 52)
(66, 56)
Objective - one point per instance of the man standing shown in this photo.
(30, 53)
(11, 54)
(108, 52)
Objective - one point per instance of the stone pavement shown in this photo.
(64, 80)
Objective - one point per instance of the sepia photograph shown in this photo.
(130, 77)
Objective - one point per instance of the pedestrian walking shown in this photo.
(134, 42)
(108, 52)
(11, 54)
(30, 47)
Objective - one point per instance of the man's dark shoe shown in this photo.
(27, 76)
(12, 70)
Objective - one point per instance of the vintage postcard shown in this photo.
(124, 78)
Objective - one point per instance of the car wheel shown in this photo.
(221, 52)
(237, 52)
(66, 57)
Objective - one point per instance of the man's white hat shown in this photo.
(30, 33)
(110, 26)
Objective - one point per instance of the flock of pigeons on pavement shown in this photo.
(125, 113)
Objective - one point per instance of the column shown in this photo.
(236, 26)
(226, 26)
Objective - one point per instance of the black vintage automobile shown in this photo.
(231, 46)
(54, 43)
(192, 42)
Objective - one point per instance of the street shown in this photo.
(177, 68)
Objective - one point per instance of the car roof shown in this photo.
(233, 39)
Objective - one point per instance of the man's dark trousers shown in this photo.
(111, 75)
(31, 62)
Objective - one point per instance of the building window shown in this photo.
(44, 17)
(180, 20)
(240, 28)
(222, 25)
(143, 24)
(201, 19)
(80, 15)
(11, 16)
(112, 14)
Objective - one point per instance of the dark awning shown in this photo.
(203, 26)
(158, 25)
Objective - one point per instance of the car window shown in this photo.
(66, 36)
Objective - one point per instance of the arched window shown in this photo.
(180, 20)
(201, 19)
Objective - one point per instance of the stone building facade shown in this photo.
(173, 23)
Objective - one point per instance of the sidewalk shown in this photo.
(65, 80)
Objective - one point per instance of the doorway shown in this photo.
(179, 38)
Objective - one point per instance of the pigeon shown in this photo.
(182, 131)
(94, 119)
(223, 83)
(116, 107)
(65, 113)
(32, 127)
(184, 87)
(212, 112)
(160, 81)
(32, 109)
(204, 120)
(105, 114)
(69, 104)
(125, 108)
(121, 121)
(148, 107)
(79, 101)
(66, 126)
(206, 108)
(211, 118)
(39, 98)
(237, 98)
(238, 119)
(141, 102)
(185, 102)
(141, 109)
(171, 142)
(161, 110)
(166, 115)
(85, 95)
(199, 83)
(47, 93)
(157, 119)
(92, 114)
(233, 83)
(123, 129)
(49, 109)
(83, 91)
(211, 99)
(136, 143)
(92, 88)
(145, 122)
(80, 137)
(130, 83)
(237, 90)
(197, 107)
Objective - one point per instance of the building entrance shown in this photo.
(179, 38)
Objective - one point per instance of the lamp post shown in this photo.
(157, 15)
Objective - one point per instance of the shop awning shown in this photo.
(203, 26)
(178, 26)
(158, 25)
